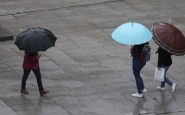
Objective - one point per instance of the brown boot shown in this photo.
(24, 91)
(43, 92)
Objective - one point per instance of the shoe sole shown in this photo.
(137, 96)
(174, 89)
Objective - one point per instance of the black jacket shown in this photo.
(164, 58)
(137, 49)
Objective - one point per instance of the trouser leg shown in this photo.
(25, 77)
(39, 79)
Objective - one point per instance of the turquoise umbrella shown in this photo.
(131, 34)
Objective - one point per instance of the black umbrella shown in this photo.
(35, 39)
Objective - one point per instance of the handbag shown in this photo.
(159, 74)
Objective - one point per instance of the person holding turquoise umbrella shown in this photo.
(138, 36)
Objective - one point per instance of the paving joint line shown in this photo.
(56, 8)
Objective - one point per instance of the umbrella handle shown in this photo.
(132, 22)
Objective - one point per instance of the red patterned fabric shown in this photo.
(169, 37)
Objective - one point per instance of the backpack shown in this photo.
(146, 53)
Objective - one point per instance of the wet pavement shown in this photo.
(87, 72)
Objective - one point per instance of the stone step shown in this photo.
(5, 34)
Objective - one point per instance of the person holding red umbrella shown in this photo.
(165, 61)
(171, 41)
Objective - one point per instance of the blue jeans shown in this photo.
(166, 80)
(38, 77)
(137, 65)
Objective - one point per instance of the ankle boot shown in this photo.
(43, 92)
(24, 91)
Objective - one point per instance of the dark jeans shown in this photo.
(38, 76)
(137, 65)
(166, 79)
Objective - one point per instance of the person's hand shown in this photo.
(39, 55)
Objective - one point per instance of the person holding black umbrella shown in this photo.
(32, 41)
(165, 61)
(31, 63)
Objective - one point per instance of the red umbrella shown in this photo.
(169, 38)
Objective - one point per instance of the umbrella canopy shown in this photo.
(131, 34)
(169, 38)
(35, 39)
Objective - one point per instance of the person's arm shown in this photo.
(131, 50)
(159, 61)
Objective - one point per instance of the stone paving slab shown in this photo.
(5, 110)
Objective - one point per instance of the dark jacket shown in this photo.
(137, 49)
(164, 58)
